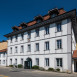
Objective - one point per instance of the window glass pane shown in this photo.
(58, 27)
(37, 61)
(37, 32)
(59, 44)
(47, 30)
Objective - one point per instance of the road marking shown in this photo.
(3, 76)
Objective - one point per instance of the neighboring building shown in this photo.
(48, 41)
(3, 53)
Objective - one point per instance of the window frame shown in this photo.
(37, 61)
(47, 30)
(47, 62)
(47, 47)
(60, 62)
(60, 44)
(59, 29)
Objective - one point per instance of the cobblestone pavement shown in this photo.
(11, 72)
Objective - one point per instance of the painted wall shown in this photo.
(52, 54)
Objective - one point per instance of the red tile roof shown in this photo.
(4, 50)
(46, 17)
(74, 54)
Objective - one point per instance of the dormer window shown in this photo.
(39, 18)
(53, 12)
(23, 25)
(53, 15)
(15, 28)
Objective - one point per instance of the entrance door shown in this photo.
(76, 66)
(28, 63)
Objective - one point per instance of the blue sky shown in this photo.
(14, 12)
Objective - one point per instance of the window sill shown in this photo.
(59, 49)
(37, 51)
(58, 31)
(21, 52)
(28, 51)
(47, 34)
(47, 50)
(22, 40)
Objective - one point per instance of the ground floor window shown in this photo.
(3, 61)
(59, 62)
(22, 61)
(15, 61)
(0, 61)
(37, 61)
(10, 61)
(46, 61)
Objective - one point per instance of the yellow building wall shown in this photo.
(3, 45)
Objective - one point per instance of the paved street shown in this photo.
(8, 72)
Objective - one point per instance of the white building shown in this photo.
(3, 53)
(48, 41)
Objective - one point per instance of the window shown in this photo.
(53, 15)
(22, 61)
(22, 36)
(0, 61)
(10, 50)
(38, 21)
(15, 61)
(59, 27)
(37, 32)
(16, 49)
(37, 46)
(59, 62)
(0, 55)
(3, 61)
(46, 45)
(37, 61)
(16, 37)
(22, 49)
(11, 39)
(29, 48)
(47, 30)
(29, 35)
(59, 44)
(47, 61)
(10, 61)
(3, 54)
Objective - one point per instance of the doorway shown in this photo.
(28, 63)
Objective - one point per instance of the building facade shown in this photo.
(3, 53)
(48, 41)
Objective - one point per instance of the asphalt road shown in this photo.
(9, 72)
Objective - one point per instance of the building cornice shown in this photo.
(71, 14)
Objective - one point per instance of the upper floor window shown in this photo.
(11, 50)
(37, 32)
(47, 30)
(3, 54)
(37, 46)
(46, 45)
(0, 55)
(59, 27)
(11, 39)
(46, 61)
(16, 37)
(37, 61)
(22, 36)
(22, 49)
(16, 49)
(29, 48)
(59, 44)
(29, 35)
(59, 62)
